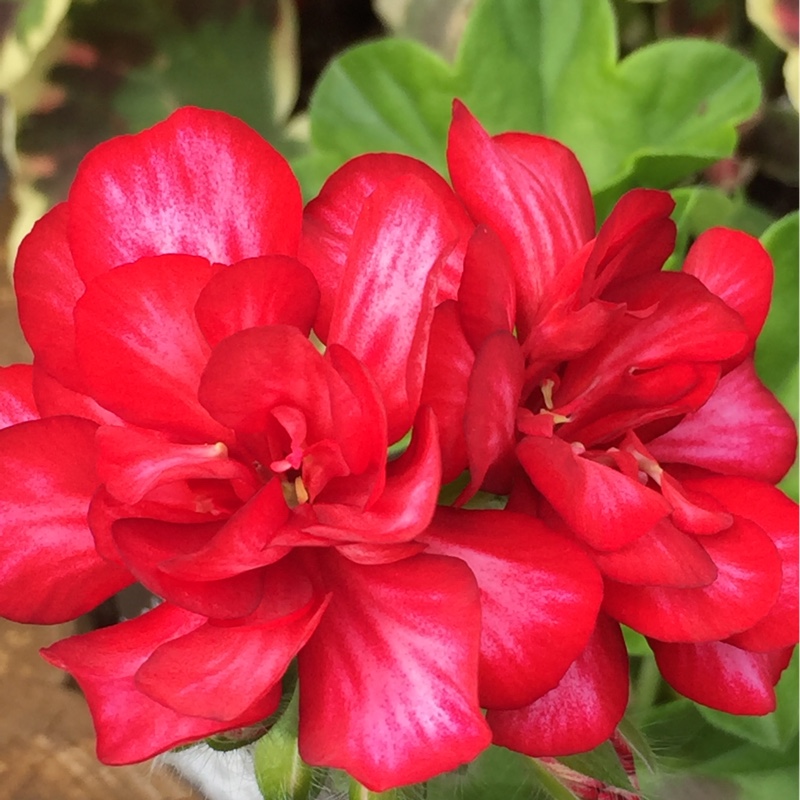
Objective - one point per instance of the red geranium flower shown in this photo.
(618, 403)
(179, 428)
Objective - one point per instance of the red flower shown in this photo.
(178, 428)
(619, 404)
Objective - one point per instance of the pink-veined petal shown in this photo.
(390, 677)
(607, 509)
(741, 430)
(532, 192)
(746, 588)
(330, 220)
(388, 288)
(722, 676)
(130, 726)
(140, 348)
(540, 595)
(736, 267)
(47, 287)
(271, 290)
(582, 711)
(201, 183)
(17, 403)
(49, 568)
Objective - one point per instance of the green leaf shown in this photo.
(546, 66)
(601, 763)
(220, 64)
(638, 743)
(775, 731)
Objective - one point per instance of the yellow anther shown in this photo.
(547, 392)
(300, 491)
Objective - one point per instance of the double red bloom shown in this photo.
(179, 428)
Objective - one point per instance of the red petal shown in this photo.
(200, 183)
(721, 676)
(389, 285)
(243, 542)
(495, 389)
(745, 590)
(637, 238)
(130, 726)
(664, 556)
(487, 300)
(219, 672)
(54, 399)
(330, 221)
(407, 503)
(140, 348)
(255, 370)
(540, 595)
(49, 568)
(672, 321)
(48, 287)
(741, 430)
(533, 193)
(273, 290)
(131, 463)
(144, 544)
(389, 680)
(449, 366)
(17, 403)
(775, 514)
(582, 711)
(737, 268)
(606, 508)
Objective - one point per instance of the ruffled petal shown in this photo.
(272, 290)
(540, 595)
(582, 711)
(776, 515)
(48, 287)
(746, 588)
(741, 430)
(487, 300)
(607, 509)
(219, 671)
(533, 193)
(201, 183)
(144, 544)
(495, 392)
(130, 726)
(389, 680)
(258, 369)
(140, 348)
(49, 569)
(722, 676)
(664, 556)
(17, 403)
(406, 504)
(637, 238)
(445, 387)
(330, 220)
(736, 267)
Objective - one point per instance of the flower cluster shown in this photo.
(251, 409)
